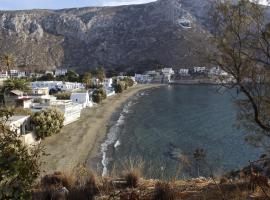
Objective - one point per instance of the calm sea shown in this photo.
(159, 129)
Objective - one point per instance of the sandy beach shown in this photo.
(80, 140)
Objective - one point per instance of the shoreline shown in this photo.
(81, 141)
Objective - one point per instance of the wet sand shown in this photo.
(81, 140)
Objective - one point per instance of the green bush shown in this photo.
(119, 87)
(19, 165)
(99, 95)
(47, 122)
(63, 96)
(129, 82)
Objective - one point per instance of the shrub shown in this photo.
(80, 186)
(47, 122)
(22, 111)
(19, 166)
(63, 96)
(57, 179)
(163, 191)
(119, 87)
(99, 95)
(132, 178)
(129, 82)
(86, 186)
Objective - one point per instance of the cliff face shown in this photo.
(84, 38)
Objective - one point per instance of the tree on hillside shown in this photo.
(47, 122)
(242, 40)
(87, 80)
(16, 84)
(7, 60)
(19, 165)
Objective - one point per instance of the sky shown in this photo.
(58, 4)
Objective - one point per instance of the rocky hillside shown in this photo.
(113, 37)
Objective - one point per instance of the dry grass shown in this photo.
(132, 178)
(60, 186)
(164, 191)
(83, 185)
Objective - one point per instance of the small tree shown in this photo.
(63, 96)
(119, 87)
(87, 80)
(47, 122)
(47, 77)
(16, 84)
(242, 40)
(7, 59)
(19, 165)
(129, 82)
(72, 76)
(99, 95)
(101, 74)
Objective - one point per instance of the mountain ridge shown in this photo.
(131, 36)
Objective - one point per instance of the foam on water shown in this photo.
(112, 136)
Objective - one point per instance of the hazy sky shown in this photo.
(56, 4)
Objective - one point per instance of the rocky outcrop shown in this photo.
(113, 37)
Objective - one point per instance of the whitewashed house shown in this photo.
(199, 70)
(183, 72)
(21, 126)
(4, 75)
(61, 72)
(217, 71)
(167, 73)
(49, 72)
(81, 98)
(58, 85)
(17, 98)
(14, 73)
(41, 98)
(110, 92)
(108, 83)
(152, 73)
(40, 91)
(143, 78)
(70, 110)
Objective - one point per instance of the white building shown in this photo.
(199, 69)
(61, 72)
(81, 98)
(71, 111)
(21, 126)
(110, 92)
(14, 73)
(183, 72)
(108, 82)
(152, 73)
(58, 85)
(167, 72)
(4, 75)
(217, 71)
(143, 78)
(49, 72)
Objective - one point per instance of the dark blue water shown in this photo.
(159, 125)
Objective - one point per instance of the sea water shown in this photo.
(159, 126)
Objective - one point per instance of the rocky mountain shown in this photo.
(168, 32)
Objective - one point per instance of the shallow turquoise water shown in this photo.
(159, 124)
